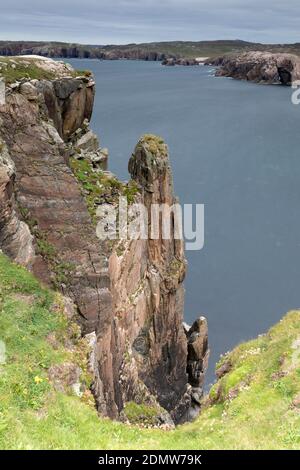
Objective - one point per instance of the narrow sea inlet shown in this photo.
(234, 147)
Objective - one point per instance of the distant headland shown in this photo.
(155, 51)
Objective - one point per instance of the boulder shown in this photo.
(29, 90)
(88, 142)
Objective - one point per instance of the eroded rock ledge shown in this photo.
(129, 294)
(259, 67)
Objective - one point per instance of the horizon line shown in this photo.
(147, 42)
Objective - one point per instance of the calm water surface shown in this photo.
(234, 147)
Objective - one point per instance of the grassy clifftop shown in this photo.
(35, 68)
(254, 405)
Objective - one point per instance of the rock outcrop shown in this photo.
(129, 294)
(182, 61)
(148, 295)
(36, 128)
(259, 67)
(197, 363)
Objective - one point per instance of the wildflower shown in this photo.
(38, 379)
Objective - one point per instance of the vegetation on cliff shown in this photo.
(254, 405)
(13, 69)
(100, 187)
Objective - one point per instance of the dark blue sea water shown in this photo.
(234, 147)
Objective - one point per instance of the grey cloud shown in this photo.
(121, 21)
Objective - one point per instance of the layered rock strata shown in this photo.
(128, 293)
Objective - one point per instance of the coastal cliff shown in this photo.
(128, 294)
(45, 402)
(130, 347)
(78, 51)
(259, 67)
(155, 51)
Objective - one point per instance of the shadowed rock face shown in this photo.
(129, 297)
(147, 290)
(69, 102)
(260, 67)
(15, 237)
(84, 52)
(47, 192)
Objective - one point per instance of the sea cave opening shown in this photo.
(285, 76)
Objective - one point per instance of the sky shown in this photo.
(127, 21)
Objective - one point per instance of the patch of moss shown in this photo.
(154, 144)
(62, 270)
(45, 248)
(237, 377)
(141, 413)
(84, 73)
(214, 392)
(99, 187)
(130, 190)
(120, 248)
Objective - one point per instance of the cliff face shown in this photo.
(15, 237)
(260, 67)
(48, 198)
(77, 51)
(144, 51)
(129, 295)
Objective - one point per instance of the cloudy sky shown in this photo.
(125, 21)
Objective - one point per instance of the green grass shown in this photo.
(98, 187)
(141, 413)
(251, 407)
(154, 144)
(13, 69)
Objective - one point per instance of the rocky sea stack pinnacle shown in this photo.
(128, 295)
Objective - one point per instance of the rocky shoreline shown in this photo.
(183, 62)
(259, 67)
